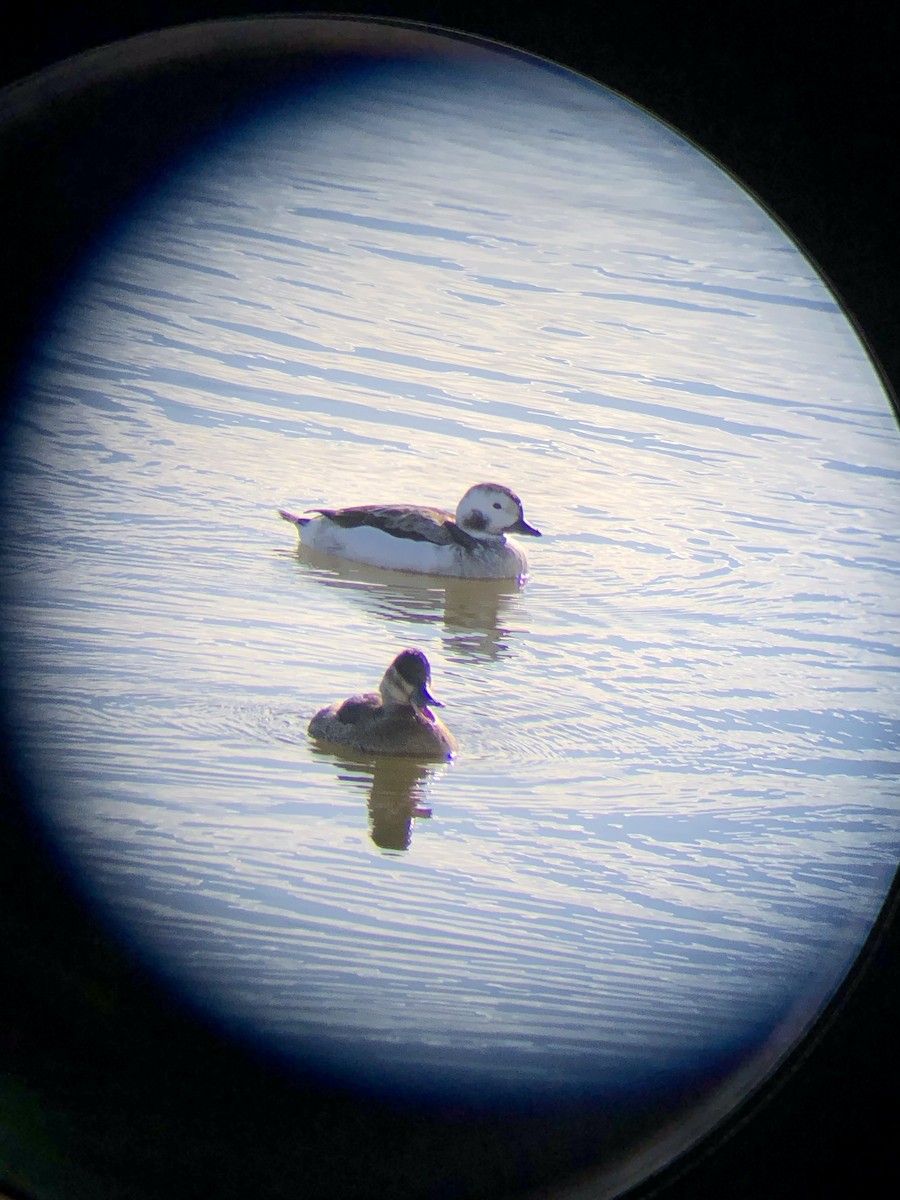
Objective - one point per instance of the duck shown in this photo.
(395, 720)
(468, 544)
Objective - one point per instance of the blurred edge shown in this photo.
(804, 116)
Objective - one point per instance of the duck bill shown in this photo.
(522, 526)
(422, 701)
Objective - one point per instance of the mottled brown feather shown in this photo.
(433, 525)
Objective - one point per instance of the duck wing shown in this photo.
(403, 521)
(358, 708)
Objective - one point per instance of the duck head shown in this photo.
(489, 510)
(406, 682)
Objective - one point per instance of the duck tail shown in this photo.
(288, 516)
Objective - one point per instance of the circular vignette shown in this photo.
(56, 126)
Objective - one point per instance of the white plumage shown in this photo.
(469, 544)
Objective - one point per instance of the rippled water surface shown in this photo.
(673, 816)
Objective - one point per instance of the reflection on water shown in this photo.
(673, 816)
(472, 612)
(395, 790)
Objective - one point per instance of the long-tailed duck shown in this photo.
(470, 544)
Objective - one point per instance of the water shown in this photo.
(674, 814)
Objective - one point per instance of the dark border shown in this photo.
(802, 113)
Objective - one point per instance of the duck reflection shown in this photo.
(395, 792)
(472, 611)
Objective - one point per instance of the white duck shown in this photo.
(470, 544)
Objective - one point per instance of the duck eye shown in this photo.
(497, 504)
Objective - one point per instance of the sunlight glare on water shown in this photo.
(673, 816)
